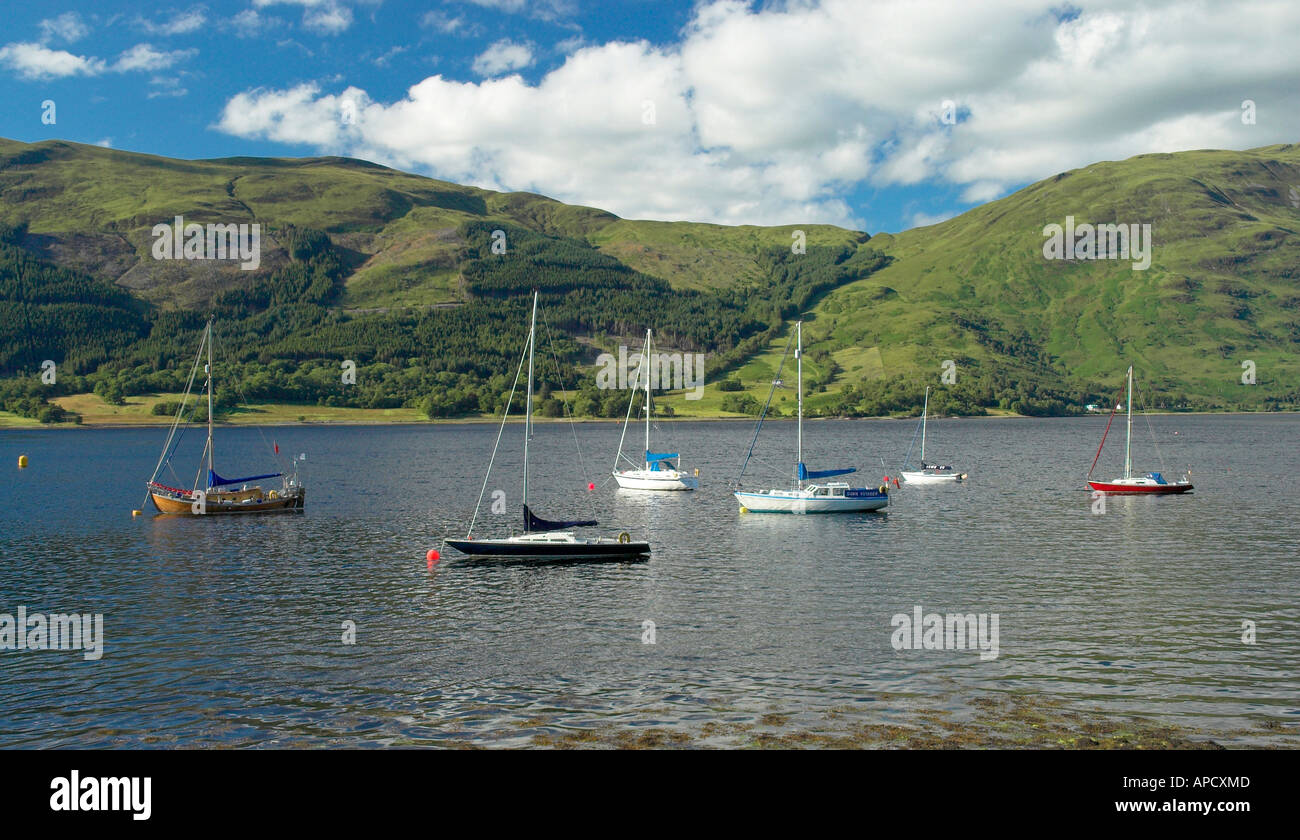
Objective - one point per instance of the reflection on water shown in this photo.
(229, 630)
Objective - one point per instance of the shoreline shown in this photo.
(7, 425)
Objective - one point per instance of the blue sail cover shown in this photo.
(653, 458)
(535, 523)
(805, 473)
(215, 480)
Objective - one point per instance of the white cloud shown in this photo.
(106, 142)
(69, 26)
(388, 56)
(166, 86)
(775, 114)
(543, 9)
(178, 23)
(36, 61)
(503, 57)
(145, 57)
(251, 23)
(449, 25)
(326, 17)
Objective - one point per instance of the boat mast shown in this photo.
(208, 338)
(647, 368)
(528, 404)
(798, 359)
(925, 413)
(1128, 442)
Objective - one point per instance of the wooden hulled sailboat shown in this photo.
(543, 539)
(1130, 484)
(815, 497)
(658, 471)
(218, 495)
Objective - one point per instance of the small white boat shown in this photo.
(830, 497)
(658, 471)
(929, 473)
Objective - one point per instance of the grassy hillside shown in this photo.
(396, 272)
(1222, 286)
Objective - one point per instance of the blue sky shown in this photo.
(875, 115)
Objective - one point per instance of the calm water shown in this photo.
(225, 631)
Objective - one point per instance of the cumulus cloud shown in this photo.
(775, 114)
(37, 61)
(503, 57)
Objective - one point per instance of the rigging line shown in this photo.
(1150, 431)
(505, 415)
(1114, 408)
(573, 426)
(908, 457)
(244, 401)
(627, 419)
(771, 392)
(179, 410)
(165, 457)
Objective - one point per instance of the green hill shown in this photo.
(1223, 286)
(398, 273)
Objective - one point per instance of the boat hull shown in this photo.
(214, 504)
(917, 477)
(559, 550)
(655, 480)
(1113, 489)
(871, 500)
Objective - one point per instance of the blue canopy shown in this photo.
(535, 523)
(653, 458)
(215, 480)
(1157, 478)
(805, 473)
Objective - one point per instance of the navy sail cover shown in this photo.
(536, 523)
(215, 480)
(805, 473)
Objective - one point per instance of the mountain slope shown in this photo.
(1222, 287)
(397, 272)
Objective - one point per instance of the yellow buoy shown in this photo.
(22, 462)
(697, 472)
(744, 510)
(136, 513)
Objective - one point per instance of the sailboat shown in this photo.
(542, 539)
(217, 494)
(818, 497)
(658, 472)
(1129, 484)
(929, 473)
